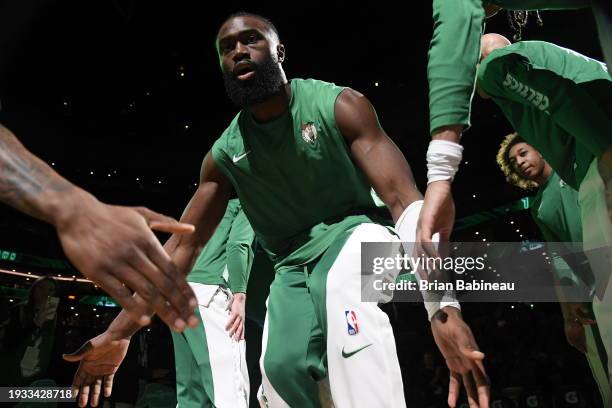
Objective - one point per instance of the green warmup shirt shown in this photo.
(454, 52)
(227, 257)
(556, 211)
(294, 175)
(559, 101)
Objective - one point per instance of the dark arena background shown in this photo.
(124, 98)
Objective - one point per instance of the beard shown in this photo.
(267, 80)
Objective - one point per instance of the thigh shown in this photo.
(293, 348)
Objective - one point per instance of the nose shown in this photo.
(240, 52)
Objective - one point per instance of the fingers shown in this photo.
(79, 354)
(240, 332)
(472, 353)
(470, 389)
(108, 385)
(118, 291)
(79, 379)
(231, 320)
(454, 389)
(586, 321)
(176, 291)
(581, 315)
(483, 384)
(148, 296)
(161, 282)
(83, 395)
(95, 392)
(425, 243)
(160, 222)
(466, 343)
(235, 326)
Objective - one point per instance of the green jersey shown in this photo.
(294, 175)
(556, 211)
(454, 52)
(556, 99)
(227, 257)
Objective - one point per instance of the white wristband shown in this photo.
(443, 158)
(406, 229)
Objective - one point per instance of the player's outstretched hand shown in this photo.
(99, 359)
(458, 346)
(115, 247)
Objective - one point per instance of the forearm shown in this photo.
(453, 55)
(204, 211)
(31, 186)
(389, 174)
(123, 326)
(450, 133)
(239, 261)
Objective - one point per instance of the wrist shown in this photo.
(64, 206)
(445, 313)
(443, 159)
(123, 327)
(239, 296)
(451, 133)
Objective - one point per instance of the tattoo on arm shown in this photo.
(24, 178)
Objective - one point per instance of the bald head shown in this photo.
(491, 42)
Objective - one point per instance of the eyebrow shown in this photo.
(512, 158)
(240, 34)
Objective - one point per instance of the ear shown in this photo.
(280, 52)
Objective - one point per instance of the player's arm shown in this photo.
(387, 170)
(90, 230)
(390, 175)
(239, 251)
(204, 210)
(375, 153)
(453, 53)
(568, 105)
(100, 357)
(451, 69)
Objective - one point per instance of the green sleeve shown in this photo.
(513, 77)
(239, 253)
(454, 52)
(547, 234)
(563, 266)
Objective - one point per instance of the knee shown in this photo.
(281, 366)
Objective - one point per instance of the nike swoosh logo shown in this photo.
(236, 159)
(352, 353)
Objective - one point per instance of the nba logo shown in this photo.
(351, 322)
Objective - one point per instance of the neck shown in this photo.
(544, 175)
(274, 106)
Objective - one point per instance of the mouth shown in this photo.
(244, 71)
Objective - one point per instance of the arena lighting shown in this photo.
(28, 275)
